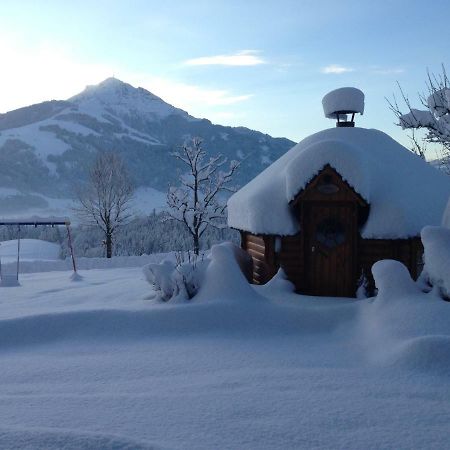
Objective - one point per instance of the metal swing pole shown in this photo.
(18, 253)
(69, 238)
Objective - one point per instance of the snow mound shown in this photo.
(247, 316)
(279, 283)
(402, 326)
(48, 439)
(346, 100)
(436, 243)
(224, 279)
(30, 250)
(403, 191)
(392, 279)
(425, 353)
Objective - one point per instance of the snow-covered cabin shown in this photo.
(336, 203)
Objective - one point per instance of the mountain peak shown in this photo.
(119, 96)
(113, 81)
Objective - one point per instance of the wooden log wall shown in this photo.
(290, 256)
(262, 251)
(291, 259)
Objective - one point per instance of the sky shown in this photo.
(261, 64)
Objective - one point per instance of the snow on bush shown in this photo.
(343, 99)
(436, 243)
(179, 280)
(176, 281)
(416, 119)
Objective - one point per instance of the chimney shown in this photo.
(342, 103)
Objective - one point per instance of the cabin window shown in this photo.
(326, 185)
(330, 233)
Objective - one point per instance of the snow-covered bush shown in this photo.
(176, 279)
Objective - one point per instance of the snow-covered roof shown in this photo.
(404, 192)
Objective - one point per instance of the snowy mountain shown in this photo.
(45, 149)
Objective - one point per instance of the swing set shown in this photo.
(34, 221)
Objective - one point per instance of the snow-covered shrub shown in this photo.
(179, 278)
(436, 244)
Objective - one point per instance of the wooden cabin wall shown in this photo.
(262, 250)
(291, 259)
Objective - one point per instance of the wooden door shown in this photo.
(330, 239)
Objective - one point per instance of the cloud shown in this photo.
(187, 95)
(336, 69)
(183, 94)
(242, 58)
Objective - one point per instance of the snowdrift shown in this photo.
(226, 306)
(245, 317)
(50, 439)
(404, 327)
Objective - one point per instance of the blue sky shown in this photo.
(261, 64)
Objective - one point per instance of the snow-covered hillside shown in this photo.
(96, 364)
(45, 149)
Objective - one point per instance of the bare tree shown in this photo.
(434, 119)
(105, 200)
(195, 203)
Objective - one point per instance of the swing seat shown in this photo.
(9, 280)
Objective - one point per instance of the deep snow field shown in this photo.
(96, 364)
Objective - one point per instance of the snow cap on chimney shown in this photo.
(339, 103)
